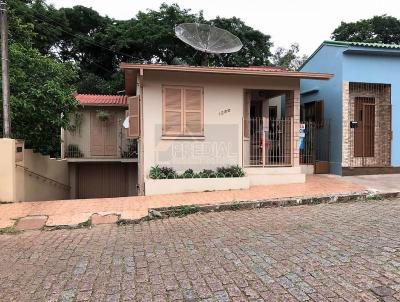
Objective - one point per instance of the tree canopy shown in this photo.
(379, 29)
(41, 90)
(97, 44)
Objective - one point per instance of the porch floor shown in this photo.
(73, 212)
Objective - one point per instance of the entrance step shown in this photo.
(275, 175)
(31, 223)
(272, 170)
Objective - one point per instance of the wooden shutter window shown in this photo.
(134, 117)
(173, 109)
(182, 111)
(193, 111)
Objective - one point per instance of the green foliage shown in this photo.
(41, 98)
(288, 58)
(131, 150)
(11, 230)
(379, 29)
(98, 44)
(232, 171)
(181, 211)
(158, 172)
(103, 115)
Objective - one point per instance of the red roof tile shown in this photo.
(98, 99)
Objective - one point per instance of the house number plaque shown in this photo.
(225, 111)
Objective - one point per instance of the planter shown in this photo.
(169, 186)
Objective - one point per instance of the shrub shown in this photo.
(189, 173)
(170, 173)
(206, 173)
(232, 171)
(73, 151)
(158, 172)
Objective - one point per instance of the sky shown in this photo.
(307, 22)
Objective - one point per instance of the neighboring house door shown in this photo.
(103, 135)
(364, 134)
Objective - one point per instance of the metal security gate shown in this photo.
(370, 115)
(316, 144)
(271, 142)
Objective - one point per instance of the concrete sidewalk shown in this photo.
(382, 183)
(73, 212)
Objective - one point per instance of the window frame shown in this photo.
(182, 133)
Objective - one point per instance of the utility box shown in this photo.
(19, 151)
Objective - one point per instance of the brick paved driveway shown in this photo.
(337, 252)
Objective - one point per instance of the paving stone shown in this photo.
(332, 252)
(31, 223)
(104, 219)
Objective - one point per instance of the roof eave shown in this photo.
(287, 74)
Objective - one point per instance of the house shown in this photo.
(196, 117)
(102, 158)
(362, 103)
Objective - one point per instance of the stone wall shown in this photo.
(382, 129)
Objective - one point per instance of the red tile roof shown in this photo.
(99, 99)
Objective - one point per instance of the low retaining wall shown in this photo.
(170, 186)
(29, 176)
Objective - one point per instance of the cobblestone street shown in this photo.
(328, 252)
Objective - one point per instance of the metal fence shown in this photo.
(271, 142)
(316, 144)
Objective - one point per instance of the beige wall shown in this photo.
(36, 177)
(81, 137)
(220, 93)
(7, 170)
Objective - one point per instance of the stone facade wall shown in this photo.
(382, 130)
(292, 109)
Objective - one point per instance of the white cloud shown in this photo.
(307, 22)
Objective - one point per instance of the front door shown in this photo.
(364, 133)
(103, 135)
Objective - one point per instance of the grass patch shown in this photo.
(374, 197)
(85, 224)
(11, 230)
(183, 211)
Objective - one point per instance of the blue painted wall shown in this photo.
(352, 64)
(329, 60)
(381, 69)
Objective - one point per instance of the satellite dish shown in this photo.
(208, 38)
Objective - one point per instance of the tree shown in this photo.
(41, 98)
(288, 58)
(379, 29)
(98, 44)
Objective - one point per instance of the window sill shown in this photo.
(198, 138)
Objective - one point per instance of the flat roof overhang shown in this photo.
(140, 68)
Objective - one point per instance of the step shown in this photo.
(276, 179)
(272, 170)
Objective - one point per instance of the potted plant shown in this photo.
(103, 115)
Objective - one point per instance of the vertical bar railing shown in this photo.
(271, 142)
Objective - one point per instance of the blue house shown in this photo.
(361, 102)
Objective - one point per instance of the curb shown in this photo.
(184, 210)
(180, 211)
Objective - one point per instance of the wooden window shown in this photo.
(134, 117)
(183, 111)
